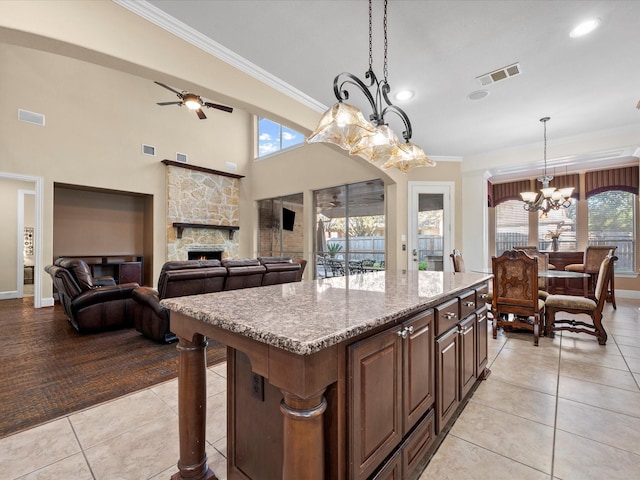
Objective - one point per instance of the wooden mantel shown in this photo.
(181, 226)
(172, 163)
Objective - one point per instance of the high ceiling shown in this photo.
(437, 48)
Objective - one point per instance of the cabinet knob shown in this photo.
(484, 295)
(470, 304)
(402, 333)
(449, 315)
(410, 329)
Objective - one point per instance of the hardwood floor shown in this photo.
(49, 370)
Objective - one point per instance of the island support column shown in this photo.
(192, 408)
(303, 455)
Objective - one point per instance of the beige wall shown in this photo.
(88, 223)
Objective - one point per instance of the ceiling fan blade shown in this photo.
(219, 107)
(169, 88)
(201, 114)
(169, 103)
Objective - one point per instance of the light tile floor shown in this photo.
(568, 409)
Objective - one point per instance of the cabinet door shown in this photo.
(375, 405)
(392, 469)
(447, 377)
(481, 349)
(468, 360)
(419, 369)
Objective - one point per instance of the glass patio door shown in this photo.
(430, 226)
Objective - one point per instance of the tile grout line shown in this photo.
(84, 455)
(555, 413)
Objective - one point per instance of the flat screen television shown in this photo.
(288, 219)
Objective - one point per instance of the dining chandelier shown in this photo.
(345, 125)
(549, 198)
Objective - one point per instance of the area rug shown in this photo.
(48, 370)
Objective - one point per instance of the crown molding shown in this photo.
(160, 18)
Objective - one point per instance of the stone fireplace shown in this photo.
(202, 212)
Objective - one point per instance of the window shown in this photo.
(611, 222)
(273, 137)
(350, 229)
(512, 226)
(561, 222)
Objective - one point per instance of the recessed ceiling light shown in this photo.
(585, 28)
(478, 95)
(404, 95)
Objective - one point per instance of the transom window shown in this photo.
(273, 137)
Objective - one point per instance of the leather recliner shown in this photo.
(243, 273)
(279, 270)
(177, 279)
(89, 306)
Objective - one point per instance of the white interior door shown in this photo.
(430, 223)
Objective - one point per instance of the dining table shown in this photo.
(555, 274)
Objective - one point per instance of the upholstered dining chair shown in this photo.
(533, 248)
(580, 305)
(592, 259)
(543, 266)
(458, 261)
(515, 293)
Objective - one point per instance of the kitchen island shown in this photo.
(347, 378)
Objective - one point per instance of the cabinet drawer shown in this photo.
(447, 316)
(467, 303)
(482, 294)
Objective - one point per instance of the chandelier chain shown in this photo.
(545, 147)
(370, 38)
(385, 70)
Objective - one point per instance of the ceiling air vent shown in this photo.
(148, 150)
(501, 74)
(31, 117)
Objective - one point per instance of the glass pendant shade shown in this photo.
(407, 156)
(343, 125)
(529, 197)
(377, 147)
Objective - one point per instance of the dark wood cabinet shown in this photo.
(482, 330)
(123, 268)
(447, 377)
(468, 349)
(392, 387)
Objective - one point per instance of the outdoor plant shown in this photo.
(334, 248)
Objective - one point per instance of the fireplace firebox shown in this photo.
(204, 255)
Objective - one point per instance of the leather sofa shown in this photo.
(91, 305)
(279, 270)
(193, 277)
(177, 279)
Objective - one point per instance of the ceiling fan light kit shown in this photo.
(192, 102)
(345, 126)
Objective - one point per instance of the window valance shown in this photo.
(625, 179)
(501, 192)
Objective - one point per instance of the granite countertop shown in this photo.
(305, 317)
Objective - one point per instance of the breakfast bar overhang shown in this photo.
(347, 377)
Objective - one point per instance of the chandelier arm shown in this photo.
(342, 94)
(408, 132)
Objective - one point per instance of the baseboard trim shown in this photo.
(47, 302)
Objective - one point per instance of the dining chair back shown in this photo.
(543, 266)
(576, 305)
(515, 301)
(592, 259)
(458, 261)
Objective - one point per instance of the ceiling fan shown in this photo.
(193, 102)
